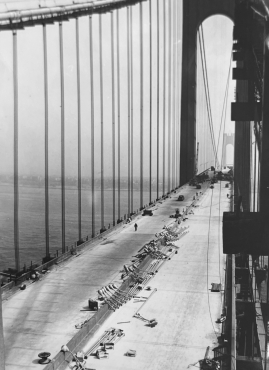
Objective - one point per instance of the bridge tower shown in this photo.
(227, 139)
(194, 13)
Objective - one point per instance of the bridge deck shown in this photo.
(43, 317)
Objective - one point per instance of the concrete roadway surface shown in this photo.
(43, 317)
(185, 308)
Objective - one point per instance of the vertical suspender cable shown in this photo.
(150, 99)
(178, 91)
(174, 96)
(129, 108)
(119, 106)
(141, 105)
(102, 120)
(178, 94)
(132, 109)
(158, 93)
(46, 140)
(169, 92)
(16, 152)
(62, 135)
(92, 128)
(79, 129)
(164, 89)
(113, 118)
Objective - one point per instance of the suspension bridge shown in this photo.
(107, 113)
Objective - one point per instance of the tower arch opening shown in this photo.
(213, 90)
(194, 14)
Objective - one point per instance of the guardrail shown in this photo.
(71, 250)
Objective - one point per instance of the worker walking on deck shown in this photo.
(135, 226)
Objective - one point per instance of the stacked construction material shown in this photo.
(151, 323)
(138, 279)
(159, 251)
(171, 234)
(105, 343)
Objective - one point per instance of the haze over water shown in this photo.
(31, 121)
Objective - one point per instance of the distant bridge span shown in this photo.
(194, 13)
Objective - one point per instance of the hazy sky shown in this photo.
(218, 40)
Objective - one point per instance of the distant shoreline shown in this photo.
(68, 187)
